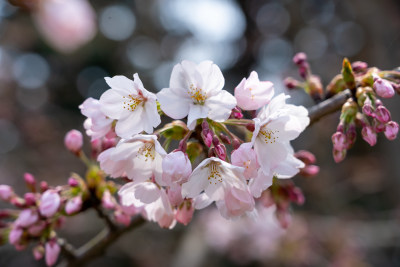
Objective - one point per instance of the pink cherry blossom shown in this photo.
(251, 94)
(391, 130)
(73, 205)
(66, 25)
(128, 102)
(196, 91)
(369, 135)
(6, 192)
(236, 203)
(138, 158)
(52, 252)
(49, 203)
(97, 125)
(15, 235)
(245, 157)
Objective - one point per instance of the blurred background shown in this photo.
(55, 53)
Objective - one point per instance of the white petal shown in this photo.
(130, 125)
(196, 112)
(197, 182)
(202, 201)
(220, 106)
(174, 103)
(269, 155)
(213, 80)
(146, 192)
(112, 104)
(260, 183)
(122, 83)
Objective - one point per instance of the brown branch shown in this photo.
(328, 106)
(97, 246)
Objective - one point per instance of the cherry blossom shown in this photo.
(245, 157)
(275, 126)
(218, 179)
(251, 94)
(176, 168)
(131, 104)
(196, 91)
(97, 125)
(139, 158)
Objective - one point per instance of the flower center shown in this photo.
(269, 136)
(147, 151)
(215, 175)
(197, 95)
(132, 101)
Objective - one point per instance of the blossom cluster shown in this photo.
(164, 186)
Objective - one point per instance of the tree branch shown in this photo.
(96, 246)
(328, 106)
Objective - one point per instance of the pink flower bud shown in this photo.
(49, 203)
(305, 156)
(391, 130)
(29, 179)
(122, 218)
(72, 182)
(225, 139)
(250, 127)
(299, 58)
(351, 135)
(291, 83)
(378, 126)
(38, 252)
(220, 150)
(73, 141)
(73, 205)
(208, 139)
(215, 140)
(30, 199)
(18, 202)
(52, 252)
(235, 143)
(383, 88)
(37, 228)
(309, 170)
(382, 114)
(184, 213)
(339, 141)
(369, 135)
(27, 217)
(43, 186)
(15, 235)
(6, 192)
(368, 110)
(107, 200)
(339, 155)
(359, 66)
(284, 218)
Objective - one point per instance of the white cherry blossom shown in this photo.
(131, 104)
(275, 126)
(221, 182)
(97, 125)
(196, 91)
(139, 158)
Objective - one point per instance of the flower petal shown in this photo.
(220, 106)
(174, 102)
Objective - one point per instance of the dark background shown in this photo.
(351, 214)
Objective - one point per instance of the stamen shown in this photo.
(197, 95)
(147, 151)
(270, 136)
(131, 102)
(215, 175)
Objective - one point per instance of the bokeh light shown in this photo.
(31, 71)
(117, 22)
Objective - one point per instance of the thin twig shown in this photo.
(105, 217)
(328, 106)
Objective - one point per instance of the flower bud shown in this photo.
(30, 199)
(309, 170)
(339, 141)
(284, 218)
(15, 235)
(174, 194)
(391, 130)
(73, 141)
(37, 228)
(359, 66)
(184, 213)
(291, 83)
(5, 192)
(38, 252)
(351, 135)
(225, 139)
(300, 58)
(339, 155)
(235, 143)
(30, 180)
(368, 110)
(369, 135)
(107, 200)
(383, 88)
(236, 113)
(49, 203)
(378, 126)
(73, 205)
(250, 127)
(305, 156)
(26, 218)
(72, 182)
(382, 114)
(122, 218)
(52, 252)
(43, 186)
(220, 150)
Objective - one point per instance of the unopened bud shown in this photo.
(309, 170)
(225, 139)
(368, 110)
(235, 143)
(378, 126)
(237, 113)
(391, 130)
(15, 235)
(369, 135)
(73, 141)
(291, 83)
(43, 186)
(5, 192)
(382, 114)
(350, 108)
(359, 66)
(185, 212)
(30, 199)
(211, 152)
(383, 88)
(72, 182)
(339, 155)
(305, 156)
(52, 251)
(299, 58)
(122, 218)
(182, 145)
(73, 205)
(251, 127)
(315, 88)
(215, 140)
(38, 252)
(220, 150)
(107, 200)
(339, 141)
(29, 179)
